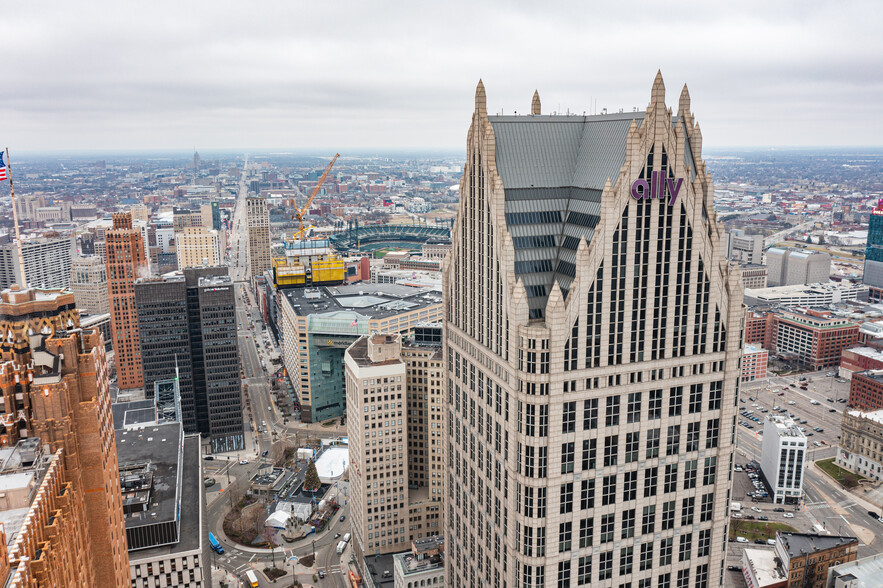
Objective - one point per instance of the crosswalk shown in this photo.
(844, 504)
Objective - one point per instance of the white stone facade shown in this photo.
(783, 459)
(181, 570)
(198, 247)
(89, 284)
(590, 432)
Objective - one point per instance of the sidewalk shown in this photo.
(855, 493)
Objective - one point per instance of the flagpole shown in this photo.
(21, 259)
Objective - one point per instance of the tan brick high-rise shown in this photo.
(54, 385)
(592, 344)
(126, 261)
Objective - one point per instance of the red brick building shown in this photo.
(754, 363)
(758, 326)
(859, 359)
(125, 262)
(815, 337)
(866, 391)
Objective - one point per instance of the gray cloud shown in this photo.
(349, 74)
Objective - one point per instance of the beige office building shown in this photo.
(257, 219)
(89, 284)
(198, 247)
(592, 343)
(395, 428)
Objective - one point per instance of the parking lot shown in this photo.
(805, 398)
(816, 402)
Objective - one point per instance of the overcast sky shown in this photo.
(349, 75)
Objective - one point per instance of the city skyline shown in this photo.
(385, 76)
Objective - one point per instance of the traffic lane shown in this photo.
(839, 515)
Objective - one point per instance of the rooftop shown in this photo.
(763, 565)
(868, 352)
(358, 351)
(373, 301)
(190, 537)
(876, 375)
(554, 169)
(821, 289)
(158, 448)
(798, 544)
(785, 427)
(133, 414)
(866, 571)
(875, 416)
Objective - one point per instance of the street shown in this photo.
(825, 504)
(263, 418)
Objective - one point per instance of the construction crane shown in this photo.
(300, 213)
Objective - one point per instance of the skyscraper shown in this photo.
(126, 261)
(198, 247)
(257, 220)
(164, 330)
(395, 425)
(873, 274)
(592, 342)
(53, 385)
(177, 315)
(89, 284)
(47, 262)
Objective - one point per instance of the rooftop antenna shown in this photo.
(21, 259)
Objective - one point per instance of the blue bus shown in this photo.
(214, 542)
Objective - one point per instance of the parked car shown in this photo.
(741, 540)
(832, 410)
(779, 509)
(763, 518)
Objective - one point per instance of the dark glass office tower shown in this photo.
(192, 317)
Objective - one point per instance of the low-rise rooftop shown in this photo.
(368, 300)
(151, 469)
(800, 544)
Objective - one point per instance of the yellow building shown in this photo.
(197, 247)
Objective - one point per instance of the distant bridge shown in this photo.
(359, 237)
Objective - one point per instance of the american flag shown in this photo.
(2, 168)
(354, 323)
